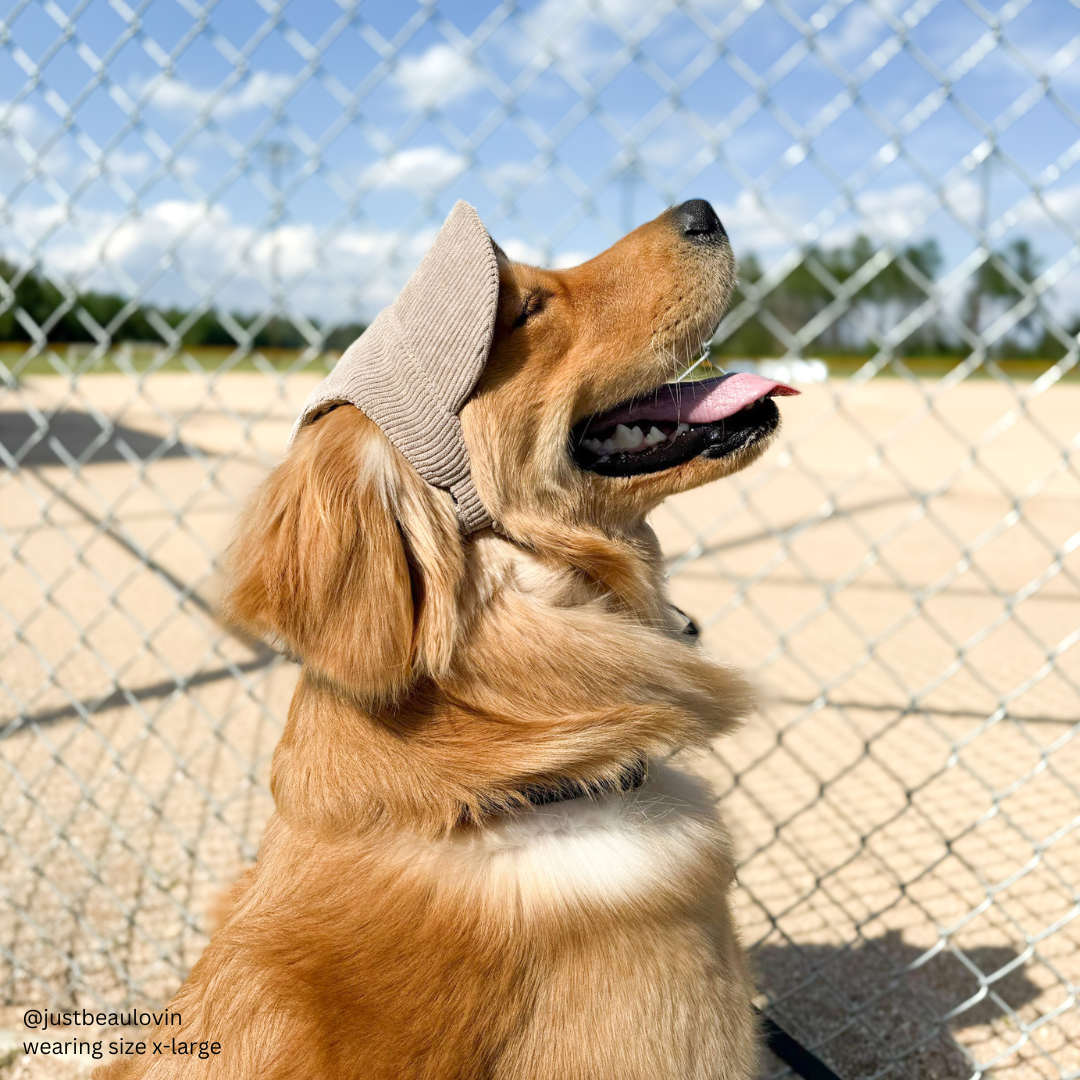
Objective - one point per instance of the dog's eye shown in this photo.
(532, 303)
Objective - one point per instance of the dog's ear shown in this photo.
(350, 560)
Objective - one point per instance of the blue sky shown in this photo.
(133, 149)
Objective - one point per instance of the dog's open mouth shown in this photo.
(677, 422)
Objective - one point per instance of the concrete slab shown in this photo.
(900, 575)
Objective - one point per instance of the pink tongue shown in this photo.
(698, 402)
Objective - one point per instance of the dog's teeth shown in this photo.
(595, 445)
(608, 446)
(655, 436)
(681, 428)
(625, 439)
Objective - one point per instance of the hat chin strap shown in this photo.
(471, 512)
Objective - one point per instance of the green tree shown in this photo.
(750, 338)
(892, 293)
(994, 286)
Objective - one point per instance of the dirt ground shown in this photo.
(900, 574)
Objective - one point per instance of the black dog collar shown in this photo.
(690, 628)
(630, 779)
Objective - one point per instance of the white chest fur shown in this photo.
(614, 851)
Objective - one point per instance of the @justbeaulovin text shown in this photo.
(163, 1043)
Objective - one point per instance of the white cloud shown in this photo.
(182, 250)
(895, 213)
(752, 228)
(564, 259)
(441, 74)
(582, 34)
(260, 89)
(129, 162)
(186, 250)
(420, 168)
(856, 29)
(557, 33)
(519, 173)
(437, 75)
(23, 129)
(627, 11)
(21, 118)
(524, 252)
(520, 250)
(1065, 202)
(134, 165)
(900, 214)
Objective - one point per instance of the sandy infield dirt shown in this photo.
(900, 574)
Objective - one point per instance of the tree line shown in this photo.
(881, 301)
(40, 300)
(898, 287)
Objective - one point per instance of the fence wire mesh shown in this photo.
(202, 202)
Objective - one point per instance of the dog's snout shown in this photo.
(699, 222)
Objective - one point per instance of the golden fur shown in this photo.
(409, 918)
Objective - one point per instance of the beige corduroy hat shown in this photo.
(415, 365)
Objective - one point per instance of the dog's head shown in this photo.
(357, 565)
(577, 418)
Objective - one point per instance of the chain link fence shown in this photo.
(202, 203)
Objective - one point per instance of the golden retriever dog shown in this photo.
(484, 863)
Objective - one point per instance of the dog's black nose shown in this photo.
(699, 222)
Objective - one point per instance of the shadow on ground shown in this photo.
(865, 1014)
(69, 433)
